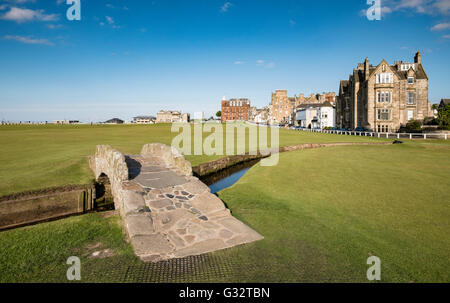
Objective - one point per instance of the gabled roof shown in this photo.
(326, 104)
(313, 105)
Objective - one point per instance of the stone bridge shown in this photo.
(166, 211)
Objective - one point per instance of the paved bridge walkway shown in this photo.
(167, 212)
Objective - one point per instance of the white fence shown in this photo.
(443, 136)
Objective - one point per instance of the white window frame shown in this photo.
(413, 80)
(413, 98)
(385, 78)
(380, 113)
(383, 97)
(410, 114)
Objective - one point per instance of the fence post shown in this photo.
(425, 136)
(398, 136)
(410, 136)
(445, 136)
(378, 135)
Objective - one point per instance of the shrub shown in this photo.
(414, 126)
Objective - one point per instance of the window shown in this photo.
(384, 97)
(410, 80)
(406, 67)
(383, 114)
(411, 97)
(383, 128)
(410, 115)
(385, 78)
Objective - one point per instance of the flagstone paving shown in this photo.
(168, 213)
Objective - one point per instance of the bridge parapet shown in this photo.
(111, 163)
(167, 213)
(171, 156)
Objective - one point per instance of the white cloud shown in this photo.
(239, 62)
(226, 7)
(109, 19)
(443, 6)
(54, 26)
(419, 6)
(28, 40)
(21, 15)
(441, 27)
(263, 63)
(446, 36)
(111, 22)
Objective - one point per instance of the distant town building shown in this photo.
(144, 120)
(172, 117)
(316, 115)
(235, 110)
(330, 97)
(382, 98)
(259, 115)
(282, 107)
(114, 121)
(63, 122)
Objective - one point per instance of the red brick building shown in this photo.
(235, 110)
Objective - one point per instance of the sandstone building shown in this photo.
(282, 107)
(144, 120)
(259, 115)
(171, 117)
(382, 98)
(235, 110)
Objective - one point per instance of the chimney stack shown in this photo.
(418, 58)
(366, 68)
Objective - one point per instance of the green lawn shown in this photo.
(322, 212)
(39, 253)
(37, 157)
(327, 210)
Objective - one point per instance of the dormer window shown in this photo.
(410, 80)
(385, 78)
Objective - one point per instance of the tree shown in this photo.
(444, 116)
(219, 114)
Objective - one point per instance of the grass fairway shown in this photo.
(326, 211)
(37, 157)
(322, 212)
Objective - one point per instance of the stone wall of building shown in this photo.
(358, 104)
(235, 110)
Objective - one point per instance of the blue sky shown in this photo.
(132, 57)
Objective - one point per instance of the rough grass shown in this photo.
(322, 212)
(37, 157)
